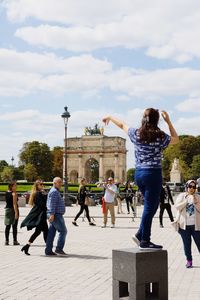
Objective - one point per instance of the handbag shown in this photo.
(175, 224)
(89, 201)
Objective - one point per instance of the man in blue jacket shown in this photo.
(55, 212)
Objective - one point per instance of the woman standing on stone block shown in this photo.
(188, 218)
(37, 216)
(11, 213)
(149, 141)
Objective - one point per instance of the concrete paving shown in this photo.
(86, 273)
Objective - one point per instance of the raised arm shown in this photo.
(117, 122)
(173, 133)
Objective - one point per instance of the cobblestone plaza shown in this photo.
(86, 273)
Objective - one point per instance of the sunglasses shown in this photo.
(190, 186)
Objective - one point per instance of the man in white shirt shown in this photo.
(109, 198)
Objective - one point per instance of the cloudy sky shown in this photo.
(96, 57)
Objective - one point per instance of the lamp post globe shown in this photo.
(65, 115)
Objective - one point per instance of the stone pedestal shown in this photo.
(140, 275)
(175, 174)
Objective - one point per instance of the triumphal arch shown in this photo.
(96, 157)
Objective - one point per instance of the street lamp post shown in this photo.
(66, 115)
(12, 159)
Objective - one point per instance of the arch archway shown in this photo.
(110, 173)
(92, 170)
(73, 176)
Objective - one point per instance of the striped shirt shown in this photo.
(148, 155)
(55, 203)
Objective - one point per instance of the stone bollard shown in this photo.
(140, 274)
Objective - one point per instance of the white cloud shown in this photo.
(188, 125)
(166, 29)
(189, 105)
(24, 73)
(123, 98)
(85, 12)
(49, 63)
(18, 84)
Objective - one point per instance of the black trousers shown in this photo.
(129, 202)
(38, 230)
(82, 208)
(166, 206)
(14, 228)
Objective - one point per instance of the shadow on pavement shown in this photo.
(83, 256)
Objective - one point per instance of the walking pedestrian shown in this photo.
(109, 198)
(188, 218)
(11, 213)
(129, 197)
(55, 212)
(119, 199)
(82, 194)
(37, 217)
(149, 142)
(165, 199)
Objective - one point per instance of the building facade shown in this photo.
(96, 157)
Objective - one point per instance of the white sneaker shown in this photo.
(112, 226)
(135, 239)
(103, 226)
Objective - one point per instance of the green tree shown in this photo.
(57, 161)
(39, 155)
(189, 147)
(7, 174)
(3, 164)
(30, 172)
(195, 167)
(130, 174)
(18, 172)
(185, 150)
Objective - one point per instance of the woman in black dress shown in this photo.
(37, 216)
(82, 193)
(11, 213)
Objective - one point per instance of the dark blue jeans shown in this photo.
(149, 182)
(57, 225)
(186, 236)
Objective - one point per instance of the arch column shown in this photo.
(80, 169)
(116, 166)
(101, 167)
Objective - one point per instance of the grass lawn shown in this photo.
(27, 188)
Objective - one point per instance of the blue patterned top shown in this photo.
(148, 155)
(55, 203)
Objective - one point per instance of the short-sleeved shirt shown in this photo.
(148, 155)
(109, 196)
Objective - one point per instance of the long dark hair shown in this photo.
(149, 131)
(11, 184)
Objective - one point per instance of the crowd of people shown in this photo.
(149, 141)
